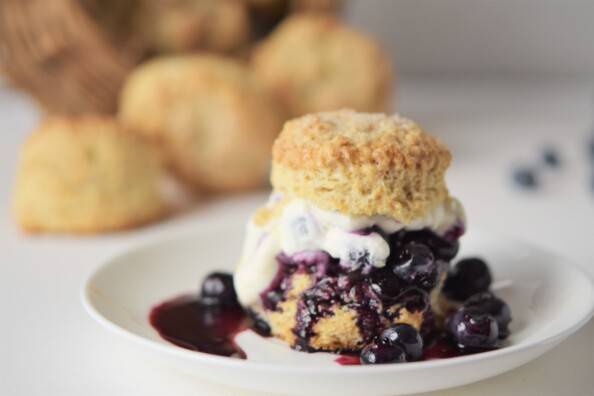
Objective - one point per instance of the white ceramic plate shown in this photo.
(550, 299)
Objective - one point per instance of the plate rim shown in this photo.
(223, 361)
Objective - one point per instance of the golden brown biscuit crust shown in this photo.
(361, 164)
(86, 175)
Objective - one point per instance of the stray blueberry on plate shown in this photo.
(382, 353)
(468, 277)
(217, 289)
(416, 266)
(488, 303)
(550, 157)
(474, 329)
(525, 178)
(406, 337)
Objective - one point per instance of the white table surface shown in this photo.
(49, 346)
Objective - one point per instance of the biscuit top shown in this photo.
(361, 164)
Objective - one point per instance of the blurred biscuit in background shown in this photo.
(189, 25)
(266, 14)
(314, 62)
(215, 124)
(86, 175)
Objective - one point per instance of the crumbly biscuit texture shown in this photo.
(313, 62)
(86, 175)
(213, 121)
(361, 164)
(334, 332)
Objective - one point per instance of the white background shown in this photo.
(498, 37)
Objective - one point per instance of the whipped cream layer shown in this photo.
(303, 227)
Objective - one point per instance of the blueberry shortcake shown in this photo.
(355, 242)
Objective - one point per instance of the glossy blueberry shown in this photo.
(442, 248)
(468, 277)
(472, 328)
(385, 284)
(217, 289)
(550, 157)
(416, 266)
(525, 178)
(382, 353)
(406, 337)
(488, 303)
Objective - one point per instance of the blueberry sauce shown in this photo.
(188, 323)
(418, 259)
(404, 283)
(439, 347)
(348, 360)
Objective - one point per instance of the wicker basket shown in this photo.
(63, 53)
(72, 56)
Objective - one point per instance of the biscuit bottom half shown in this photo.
(313, 304)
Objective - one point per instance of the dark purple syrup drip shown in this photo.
(185, 322)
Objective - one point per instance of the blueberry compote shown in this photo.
(419, 262)
(379, 296)
(205, 323)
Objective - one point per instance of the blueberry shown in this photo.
(259, 325)
(550, 157)
(217, 289)
(488, 303)
(413, 299)
(406, 337)
(381, 353)
(468, 277)
(525, 178)
(472, 328)
(442, 248)
(416, 266)
(385, 284)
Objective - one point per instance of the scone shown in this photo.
(357, 235)
(86, 175)
(313, 62)
(212, 119)
(266, 14)
(190, 25)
